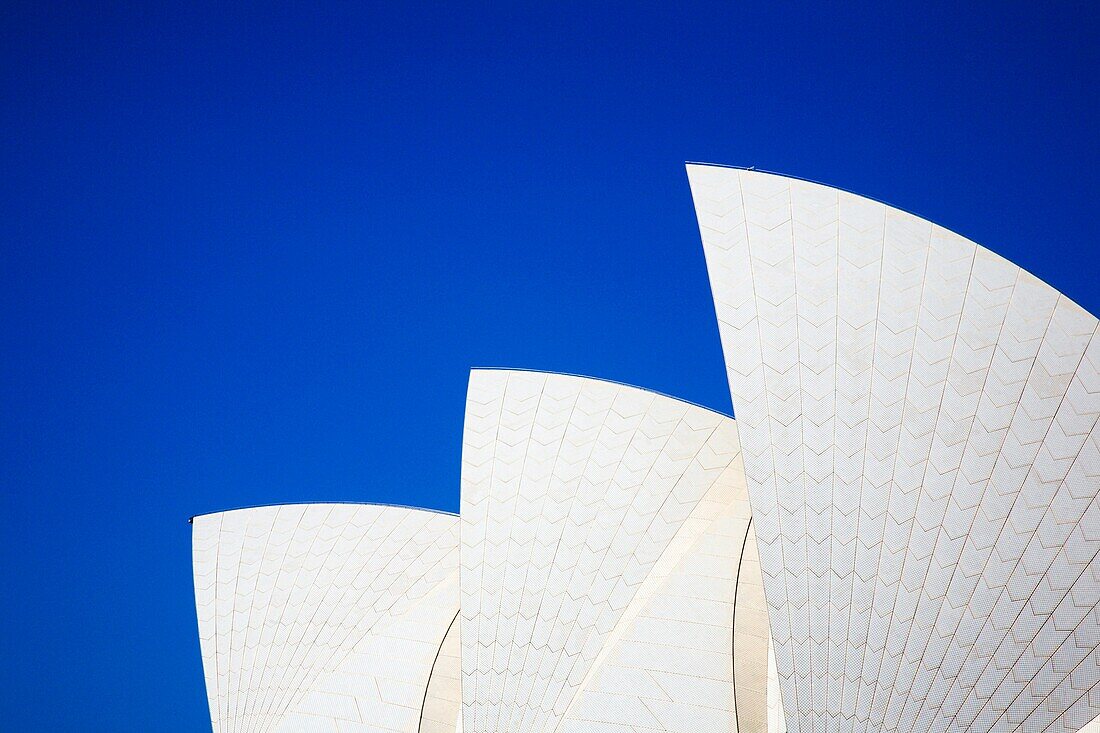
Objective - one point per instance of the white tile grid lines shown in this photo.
(814, 217)
(859, 237)
(964, 461)
(1042, 482)
(381, 683)
(665, 665)
(571, 490)
(286, 594)
(942, 442)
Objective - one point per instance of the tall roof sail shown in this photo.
(918, 419)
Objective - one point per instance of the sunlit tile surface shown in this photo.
(918, 422)
(602, 528)
(324, 617)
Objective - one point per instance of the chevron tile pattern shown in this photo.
(322, 617)
(919, 427)
(666, 664)
(601, 526)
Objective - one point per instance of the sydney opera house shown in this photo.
(900, 533)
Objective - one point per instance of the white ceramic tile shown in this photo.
(918, 424)
(323, 616)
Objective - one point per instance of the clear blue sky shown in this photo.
(249, 255)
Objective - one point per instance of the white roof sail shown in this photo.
(601, 531)
(322, 617)
(919, 424)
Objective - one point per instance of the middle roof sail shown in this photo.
(603, 530)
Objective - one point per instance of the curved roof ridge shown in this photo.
(804, 179)
(320, 503)
(895, 207)
(617, 382)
